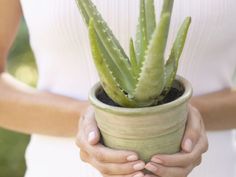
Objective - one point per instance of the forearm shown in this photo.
(218, 109)
(27, 110)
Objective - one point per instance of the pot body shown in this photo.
(147, 131)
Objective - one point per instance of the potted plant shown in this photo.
(140, 104)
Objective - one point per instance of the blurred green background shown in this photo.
(21, 64)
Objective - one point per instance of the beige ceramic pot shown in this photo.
(147, 131)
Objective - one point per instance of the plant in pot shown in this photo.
(140, 104)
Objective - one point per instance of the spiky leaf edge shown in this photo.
(152, 73)
(108, 81)
(111, 45)
(176, 51)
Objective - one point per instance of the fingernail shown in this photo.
(156, 160)
(91, 136)
(138, 175)
(139, 166)
(151, 167)
(132, 158)
(188, 145)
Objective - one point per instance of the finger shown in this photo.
(118, 168)
(88, 127)
(198, 162)
(181, 159)
(175, 160)
(163, 171)
(137, 174)
(204, 139)
(107, 155)
(192, 131)
(148, 175)
(84, 156)
(104, 154)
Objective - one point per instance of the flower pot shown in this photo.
(147, 131)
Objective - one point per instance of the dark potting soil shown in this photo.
(176, 91)
(103, 97)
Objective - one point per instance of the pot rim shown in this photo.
(144, 110)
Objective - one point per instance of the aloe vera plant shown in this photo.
(143, 78)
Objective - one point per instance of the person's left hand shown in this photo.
(194, 144)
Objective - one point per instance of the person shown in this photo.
(51, 112)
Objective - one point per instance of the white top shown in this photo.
(59, 40)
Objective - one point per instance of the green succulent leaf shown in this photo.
(167, 7)
(111, 45)
(108, 81)
(107, 59)
(152, 73)
(82, 10)
(144, 79)
(133, 59)
(172, 63)
(150, 17)
(141, 34)
(87, 15)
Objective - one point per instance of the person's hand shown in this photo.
(111, 163)
(194, 144)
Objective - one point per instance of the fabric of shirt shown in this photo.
(59, 39)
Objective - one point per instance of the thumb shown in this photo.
(91, 130)
(192, 131)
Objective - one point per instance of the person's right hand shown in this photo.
(111, 163)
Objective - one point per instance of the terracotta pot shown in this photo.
(147, 131)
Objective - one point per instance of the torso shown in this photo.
(59, 40)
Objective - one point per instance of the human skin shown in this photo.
(218, 109)
(23, 108)
(194, 144)
(28, 110)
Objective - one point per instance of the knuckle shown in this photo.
(183, 174)
(100, 156)
(198, 162)
(196, 131)
(103, 169)
(129, 168)
(194, 134)
(186, 171)
(206, 147)
(84, 156)
(190, 159)
(160, 171)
